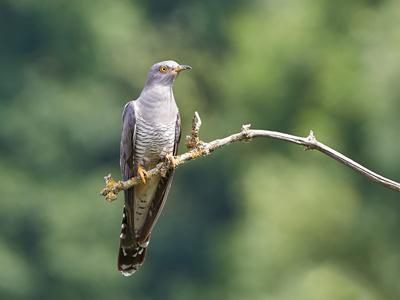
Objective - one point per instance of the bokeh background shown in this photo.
(263, 220)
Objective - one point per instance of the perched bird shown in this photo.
(151, 132)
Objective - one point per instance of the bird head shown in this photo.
(165, 73)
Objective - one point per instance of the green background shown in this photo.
(263, 220)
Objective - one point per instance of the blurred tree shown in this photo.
(263, 220)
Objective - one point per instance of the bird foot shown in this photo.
(169, 157)
(142, 173)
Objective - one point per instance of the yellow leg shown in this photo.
(171, 158)
(142, 173)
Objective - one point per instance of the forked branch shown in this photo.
(200, 148)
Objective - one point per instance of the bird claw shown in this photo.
(142, 173)
(169, 157)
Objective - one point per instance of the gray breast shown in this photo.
(153, 141)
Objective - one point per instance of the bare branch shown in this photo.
(200, 148)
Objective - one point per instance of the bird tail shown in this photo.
(131, 254)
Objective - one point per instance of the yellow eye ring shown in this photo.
(163, 69)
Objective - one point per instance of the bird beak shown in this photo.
(180, 68)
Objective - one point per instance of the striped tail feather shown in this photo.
(131, 254)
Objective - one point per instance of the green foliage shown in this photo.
(263, 220)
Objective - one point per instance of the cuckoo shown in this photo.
(151, 130)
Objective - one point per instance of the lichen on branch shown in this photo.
(200, 148)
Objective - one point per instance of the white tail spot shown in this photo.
(144, 245)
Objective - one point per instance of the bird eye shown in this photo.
(163, 69)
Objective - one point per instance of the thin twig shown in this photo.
(200, 148)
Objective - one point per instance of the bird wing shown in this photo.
(127, 141)
(162, 191)
(129, 259)
(127, 161)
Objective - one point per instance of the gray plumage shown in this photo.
(151, 130)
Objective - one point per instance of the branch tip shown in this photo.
(110, 197)
(196, 120)
(193, 140)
